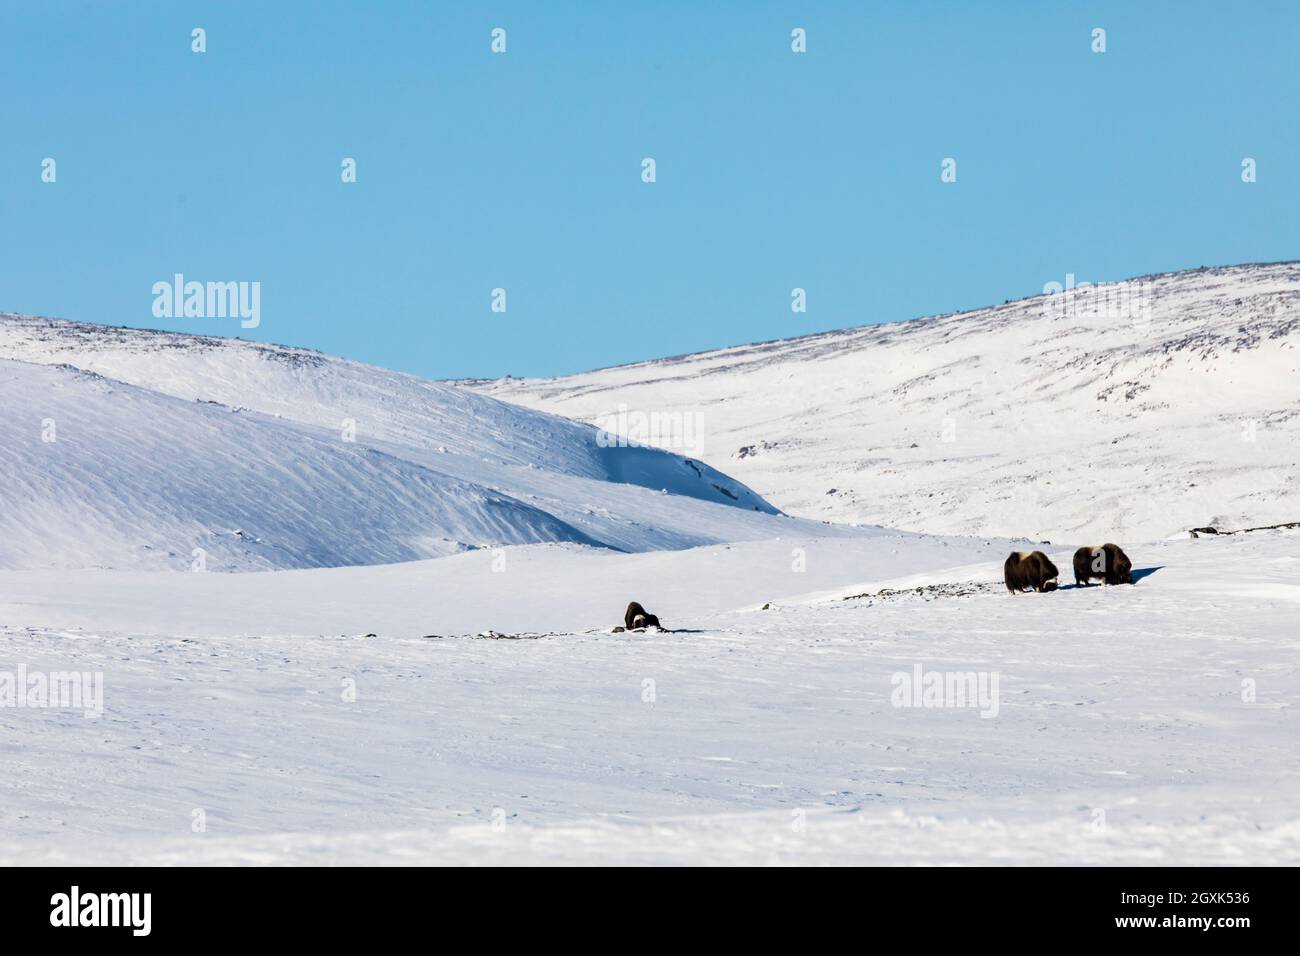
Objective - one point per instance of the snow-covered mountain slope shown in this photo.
(131, 449)
(310, 719)
(129, 478)
(1128, 411)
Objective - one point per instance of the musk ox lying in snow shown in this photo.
(636, 617)
(1029, 569)
(1106, 561)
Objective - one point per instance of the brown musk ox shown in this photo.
(636, 617)
(1030, 569)
(1105, 561)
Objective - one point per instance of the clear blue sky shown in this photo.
(523, 170)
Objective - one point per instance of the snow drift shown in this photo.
(147, 450)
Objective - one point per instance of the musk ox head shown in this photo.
(1053, 576)
(1121, 566)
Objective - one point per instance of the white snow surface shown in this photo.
(1124, 732)
(166, 443)
(1131, 411)
(418, 664)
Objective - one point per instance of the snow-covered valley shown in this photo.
(312, 716)
(414, 659)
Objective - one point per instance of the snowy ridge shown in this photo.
(1047, 417)
(130, 449)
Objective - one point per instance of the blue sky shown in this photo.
(775, 170)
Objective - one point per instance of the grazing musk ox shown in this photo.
(1029, 569)
(636, 617)
(1106, 561)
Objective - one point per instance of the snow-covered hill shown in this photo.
(1129, 411)
(132, 449)
(343, 703)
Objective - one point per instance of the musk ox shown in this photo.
(637, 618)
(1106, 561)
(1029, 569)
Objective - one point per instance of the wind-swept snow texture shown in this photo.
(1143, 724)
(1129, 412)
(136, 449)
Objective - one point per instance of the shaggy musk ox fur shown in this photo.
(1029, 569)
(1107, 561)
(636, 618)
